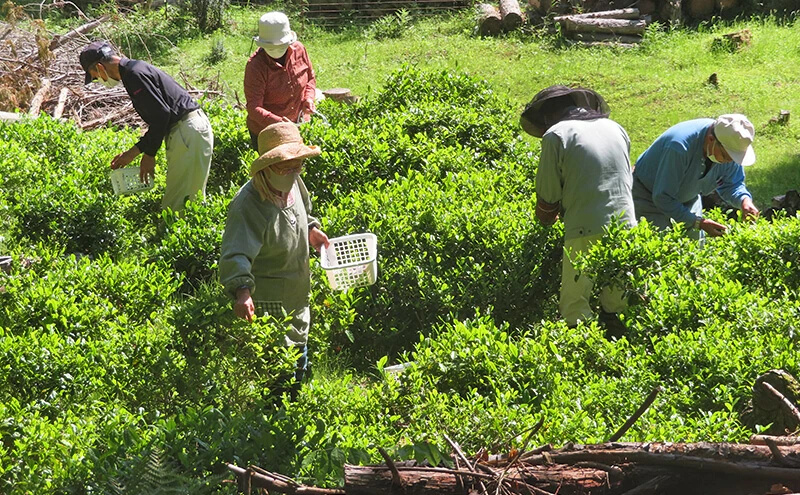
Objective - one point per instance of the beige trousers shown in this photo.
(189, 146)
(575, 294)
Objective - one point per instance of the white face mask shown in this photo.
(711, 153)
(276, 51)
(282, 183)
(108, 81)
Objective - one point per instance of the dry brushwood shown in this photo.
(40, 73)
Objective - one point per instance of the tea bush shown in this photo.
(122, 367)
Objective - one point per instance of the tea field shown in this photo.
(122, 369)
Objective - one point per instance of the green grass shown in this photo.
(649, 88)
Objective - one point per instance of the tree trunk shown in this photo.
(511, 14)
(671, 12)
(647, 7)
(613, 26)
(727, 4)
(700, 9)
(540, 6)
(489, 21)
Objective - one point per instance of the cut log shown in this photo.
(607, 37)
(62, 100)
(343, 95)
(606, 14)
(489, 21)
(511, 14)
(613, 26)
(38, 98)
(700, 9)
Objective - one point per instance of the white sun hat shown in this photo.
(273, 30)
(735, 133)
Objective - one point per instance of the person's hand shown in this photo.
(147, 168)
(307, 107)
(124, 158)
(317, 238)
(749, 210)
(712, 228)
(244, 307)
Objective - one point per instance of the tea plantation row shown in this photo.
(122, 369)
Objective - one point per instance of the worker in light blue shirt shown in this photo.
(691, 159)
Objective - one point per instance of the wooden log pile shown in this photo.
(666, 11)
(621, 26)
(768, 465)
(763, 467)
(492, 20)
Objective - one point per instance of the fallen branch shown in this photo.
(645, 405)
(38, 98)
(258, 478)
(62, 100)
(59, 40)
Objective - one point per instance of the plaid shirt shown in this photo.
(273, 90)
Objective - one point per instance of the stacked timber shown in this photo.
(620, 26)
(667, 11)
(493, 20)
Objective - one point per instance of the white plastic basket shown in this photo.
(126, 181)
(351, 261)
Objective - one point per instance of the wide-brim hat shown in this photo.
(735, 133)
(273, 30)
(581, 97)
(280, 142)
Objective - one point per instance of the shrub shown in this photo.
(390, 26)
(190, 241)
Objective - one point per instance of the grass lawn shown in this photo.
(649, 88)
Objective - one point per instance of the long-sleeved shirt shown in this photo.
(157, 98)
(266, 248)
(585, 166)
(673, 170)
(273, 90)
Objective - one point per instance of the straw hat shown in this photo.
(280, 142)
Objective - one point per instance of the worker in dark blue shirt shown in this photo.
(172, 116)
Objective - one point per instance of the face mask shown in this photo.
(108, 81)
(276, 51)
(711, 154)
(282, 183)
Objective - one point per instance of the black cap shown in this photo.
(93, 53)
